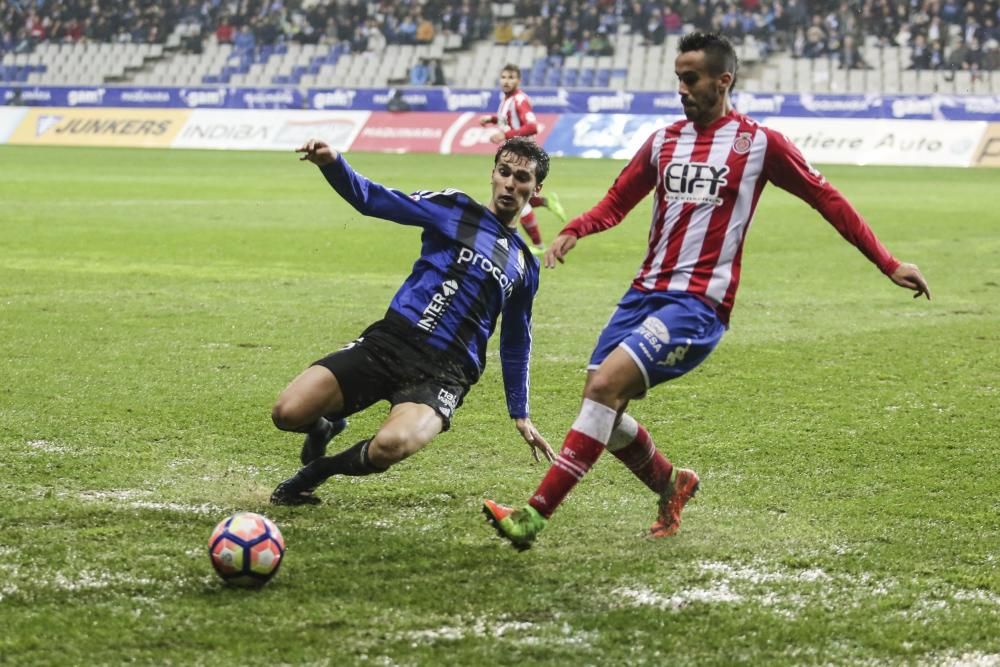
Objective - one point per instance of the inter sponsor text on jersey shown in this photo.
(471, 269)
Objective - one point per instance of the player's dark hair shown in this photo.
(719, 53)
(528, 149)
(511, 67)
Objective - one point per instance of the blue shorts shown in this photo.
(666, 333)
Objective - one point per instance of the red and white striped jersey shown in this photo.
(707, 182)
(515, 116)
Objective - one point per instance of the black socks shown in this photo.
(353, 462)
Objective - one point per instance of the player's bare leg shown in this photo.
(607, 391)
(408, 428)
(312, 404)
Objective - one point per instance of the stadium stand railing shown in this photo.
(634, 65)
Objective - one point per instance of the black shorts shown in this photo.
(385, 363)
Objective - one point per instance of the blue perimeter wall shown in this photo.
(545, 100)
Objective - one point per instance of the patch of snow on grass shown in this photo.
(49, 447)
(525, 632)
(204, 508)
(644, 597)
(134, 498)
(973, 659)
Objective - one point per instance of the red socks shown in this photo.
(592, 432)
(581, 449)
(633, 446)
(530, 225)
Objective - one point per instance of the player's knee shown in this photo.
(604, 389)
(285, 415)
(391, 445)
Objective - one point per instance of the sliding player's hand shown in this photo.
(558, 250)
(318, 152)
(535, 439)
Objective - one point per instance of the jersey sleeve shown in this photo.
(372, 199)
(526, 117)
(634, 182)
(515, 347)
(786, 167)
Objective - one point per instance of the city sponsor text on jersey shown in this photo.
(695, 182)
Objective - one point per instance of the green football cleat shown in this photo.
(537, 250)
(553, 204)
(519, 527)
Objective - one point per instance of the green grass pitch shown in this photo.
(153, 304)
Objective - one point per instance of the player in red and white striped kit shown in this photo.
(706, 173)
(515, 118)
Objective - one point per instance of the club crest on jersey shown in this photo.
(742, 144)
(695, 182)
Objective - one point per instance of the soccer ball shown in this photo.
(246, 549)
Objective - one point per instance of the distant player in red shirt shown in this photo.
(706, 173)
(515, 118)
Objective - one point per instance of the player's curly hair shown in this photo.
(720, 56)
(526, 148)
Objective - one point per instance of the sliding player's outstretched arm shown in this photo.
(515, 356)
(318, 152)
(373, 199)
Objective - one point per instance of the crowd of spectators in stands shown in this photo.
(940, 34)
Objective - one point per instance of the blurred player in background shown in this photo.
(515, 118)
(430, 347)
(706, 173)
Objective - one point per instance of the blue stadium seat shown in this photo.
(569, 77)
(539, 67)
(603, 78)
(553, 77)
(586, 79)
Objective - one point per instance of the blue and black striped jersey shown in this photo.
(471, 269)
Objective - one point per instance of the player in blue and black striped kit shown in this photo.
(430, 347)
